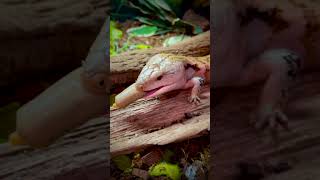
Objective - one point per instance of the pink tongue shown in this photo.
(150, 93)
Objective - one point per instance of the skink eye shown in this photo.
(159, 78)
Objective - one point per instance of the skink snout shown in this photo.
(139, 87)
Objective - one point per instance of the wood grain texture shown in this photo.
(157, 122)
(81, 154)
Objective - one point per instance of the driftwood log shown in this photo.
(158, 122)
(81, 154)
(234, 140)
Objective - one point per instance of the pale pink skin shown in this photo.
(174, 76)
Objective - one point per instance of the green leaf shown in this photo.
(176, 6)
(143, 31)
(153, 22)
(141, 46)
(188, 26)
(163, 31)
(165, 12)
(197, 30)
(163, 5)
(160, 13)
(123, 162)
(143, 10)
(148, 4)
(166, 169)
(118, 4)
(174, 40)
(115, 33)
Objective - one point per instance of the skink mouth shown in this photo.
(150, 93)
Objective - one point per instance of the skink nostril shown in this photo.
(139, 87)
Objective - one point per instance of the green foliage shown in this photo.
(140, 46)
(205, 157)
(116, 35)
(172, 171)
(159, 13)
(176, 6)
(174, 40)
(121, 11)
(143, 31)
(123, 163)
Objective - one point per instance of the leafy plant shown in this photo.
(166, 169)
(116, 35)
(143, 31)
(205, 157)
(159, 13)
(174, 40)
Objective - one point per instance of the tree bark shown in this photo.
(158, 122)
(81, 154)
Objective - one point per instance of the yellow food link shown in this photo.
(128, 96)
(115, 106)
(16, 139)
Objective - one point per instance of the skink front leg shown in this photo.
(279, 68)
(196, 83)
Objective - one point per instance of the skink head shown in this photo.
(160, 71)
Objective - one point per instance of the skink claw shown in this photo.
(271, 120)
(195, 100)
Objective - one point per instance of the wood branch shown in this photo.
(81, 154)
(125, 67)
(235, 140)
(157, 122)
